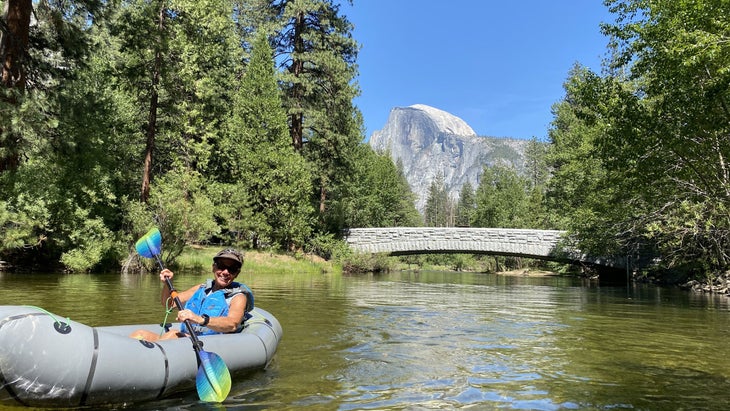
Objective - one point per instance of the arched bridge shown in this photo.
(540, 244)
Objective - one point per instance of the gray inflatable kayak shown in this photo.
(50, 361)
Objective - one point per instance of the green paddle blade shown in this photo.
(150, 244)
(213, 380)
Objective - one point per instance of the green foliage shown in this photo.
(317, 77)
(92, 242)
(454, 262)
(439, 208)
(462, 262)
(180, 207)
(538, 174)
(36, 198)
(501, 199)
(193, 85)
(69, 185)
(376, 194)
(26, 121)
(536, 165)
(191, 63)
(258, 158)
(329, 247)
(364, 263)
(584, 196)
(20, 222)
(692, 237)
(47, 54)
(640, 153)
(234, 213)
(179, 72)
(466, 206)
(81, 132)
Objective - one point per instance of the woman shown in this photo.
(219, 305)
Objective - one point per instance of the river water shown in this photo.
(442, 340)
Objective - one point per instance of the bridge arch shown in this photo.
(538, 244)
(420, 240)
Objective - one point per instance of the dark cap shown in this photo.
(231, 254)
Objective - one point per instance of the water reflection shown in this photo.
(441, 340)
(447, 344)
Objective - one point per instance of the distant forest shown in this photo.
(233, 122)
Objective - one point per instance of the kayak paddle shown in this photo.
(213, 380)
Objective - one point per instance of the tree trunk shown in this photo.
(322, 196)
(296, 130)
(297, 118)
(152, 118)
(14, 42)
(13, 51)
(150, 146)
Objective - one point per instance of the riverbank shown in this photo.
(716, 285)
(200, 258)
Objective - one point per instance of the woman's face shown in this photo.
(225, 271)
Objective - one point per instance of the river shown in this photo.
(442, 340)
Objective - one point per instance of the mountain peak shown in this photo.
(445, 122)
(429, 142)
(418, 126)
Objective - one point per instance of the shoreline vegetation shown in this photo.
(199, 257)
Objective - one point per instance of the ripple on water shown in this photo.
(450, 341)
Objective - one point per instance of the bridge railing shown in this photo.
(541, 244)
(401, 240)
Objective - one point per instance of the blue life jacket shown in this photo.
(216, 304)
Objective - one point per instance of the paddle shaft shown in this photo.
(197, 345)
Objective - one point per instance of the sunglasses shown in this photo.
(233, 269)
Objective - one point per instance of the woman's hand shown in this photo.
(166, 274)
(183, 315)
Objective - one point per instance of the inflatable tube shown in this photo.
(50, 361)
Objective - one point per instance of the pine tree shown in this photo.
(438, 210)
(179, 61)
(34, 62)
(501, 199)
(409, 215)
(377, 194)
(261, 159)
(318, 72)
(52, 201)
(466, 206)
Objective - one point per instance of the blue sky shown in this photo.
(498, 65)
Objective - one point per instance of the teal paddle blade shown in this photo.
(150, 245)
(213, 380)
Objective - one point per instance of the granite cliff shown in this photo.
(428, 141)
